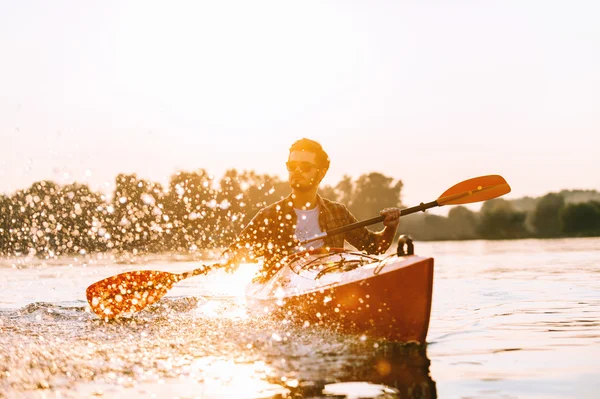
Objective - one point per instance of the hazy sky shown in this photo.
(429, 92)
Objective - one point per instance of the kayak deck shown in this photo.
(384, 298)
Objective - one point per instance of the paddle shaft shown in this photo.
(368, 222)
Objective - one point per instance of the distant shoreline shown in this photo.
(198, 212)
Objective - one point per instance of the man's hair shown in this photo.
(305, 144)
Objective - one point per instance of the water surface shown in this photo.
(510, 319)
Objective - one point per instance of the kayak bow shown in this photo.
(384, 298)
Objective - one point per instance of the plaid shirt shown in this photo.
(272, 232)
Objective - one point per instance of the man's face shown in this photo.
(304, 174)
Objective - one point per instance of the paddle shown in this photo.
(131, 292)
(477, 189)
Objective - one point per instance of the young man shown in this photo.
(278, 228)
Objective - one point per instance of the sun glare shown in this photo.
(228, 379)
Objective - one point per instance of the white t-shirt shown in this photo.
(307, 226)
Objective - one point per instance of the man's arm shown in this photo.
(374, 242)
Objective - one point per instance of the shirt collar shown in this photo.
(288, 203)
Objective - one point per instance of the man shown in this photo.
(278, 228)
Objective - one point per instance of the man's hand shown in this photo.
(392, 218)
(391, 222)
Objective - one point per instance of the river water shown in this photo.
(510, 319)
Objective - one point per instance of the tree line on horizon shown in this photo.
(197, 211)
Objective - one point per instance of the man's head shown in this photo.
(307, 164)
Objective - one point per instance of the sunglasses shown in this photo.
(292, 166)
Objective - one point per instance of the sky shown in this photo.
(428, 92)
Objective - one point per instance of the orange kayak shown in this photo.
(381, 297)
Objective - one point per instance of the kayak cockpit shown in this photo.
(338, 261)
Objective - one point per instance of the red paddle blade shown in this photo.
(477, 189)
(129, 292)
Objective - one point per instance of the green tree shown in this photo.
(582, 219)
(231, 215)
(462, 223)
(328, 192)
(437, 227)
(259, 191)
(545, 217)
(373, 192)
(137, 218)
(345, 191)
(5, 224)
(191, 215)
(414, 225)
(499, 220)
(35, 205)
(77, 222)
